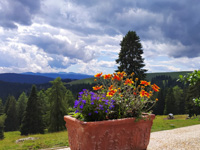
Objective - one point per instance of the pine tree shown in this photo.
(178, 95)
(21, 106)
(45, 107)
(130, 56)
(2, 120)
(69, 98)
(191, 108)
(11, 122)
(170, 106)
(58, 105)
(32, 122)
(1, 107)
(160, 105)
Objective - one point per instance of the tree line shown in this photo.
(38, 111)
(175, 97)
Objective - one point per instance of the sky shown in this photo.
(83, 36)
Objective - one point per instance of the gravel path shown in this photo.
(186, 138)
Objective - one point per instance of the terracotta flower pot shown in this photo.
(120, 134)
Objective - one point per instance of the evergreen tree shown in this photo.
(58, 105)
(69, 98)
(2, 120)
(11, 122)
(178, 95)
(1, 107)
(21, 106)
(191, 108)
(32, 122)
(45, 107)
(170, 106)
(160, 105)
(130, 56)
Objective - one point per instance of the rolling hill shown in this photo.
(20, 78)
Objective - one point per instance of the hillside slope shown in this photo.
(20, 78)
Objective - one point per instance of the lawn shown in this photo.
(162, 123)
(50, 140)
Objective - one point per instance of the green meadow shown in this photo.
(59, 139)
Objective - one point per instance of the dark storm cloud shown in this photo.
(177, 21)
(17, 11)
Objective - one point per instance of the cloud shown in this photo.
(67, 34)
(17, 11)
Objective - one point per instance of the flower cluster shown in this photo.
(93, 106)
(132, 98)
(116, 96)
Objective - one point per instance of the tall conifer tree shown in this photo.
(21, 106)
(1, 107)
(130, 56)
(11, 122)
(2, 120)
(32, 122)
(170, 106)
(58, 105)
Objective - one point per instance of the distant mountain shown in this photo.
(63, 75)
(22, 78)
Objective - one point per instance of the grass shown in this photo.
(59, 139)
(82, 81)
(161, 123)
(48, 140)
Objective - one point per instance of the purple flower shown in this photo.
(84, 90)
(111, 106)
(76, 103)
(106, 111)
(96, 112)
(84, 101)
(92, 93)
(76, 111)
(93, 98)
(89, 114)
(81, 106)
(100, 106)
(80, 93)
(112, 101)
(92, 103)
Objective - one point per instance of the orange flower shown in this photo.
(116, 77)
(134, 93)
(107, 76)
(110, 88)
(156, 99)
(97, 87)
(144, 82)
(132, 74)
(111, 93)
(98, 75)
(155, 87)
(136, 79)
(142, 93)
(147, 94)
(128, 81)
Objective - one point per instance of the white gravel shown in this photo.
(186, 138)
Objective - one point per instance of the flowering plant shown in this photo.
(117, 96)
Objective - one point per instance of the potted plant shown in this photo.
(115, 116)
